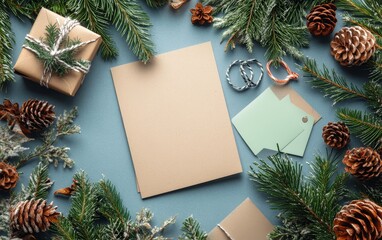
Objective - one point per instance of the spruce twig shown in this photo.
(156, 3)
(334, 86)
(317, 197)
(365, 126)
(191, 230)
(133, 23)
(6, 48)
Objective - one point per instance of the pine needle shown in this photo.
(191, 230)
(6, 48)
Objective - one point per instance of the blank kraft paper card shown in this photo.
(176, 120)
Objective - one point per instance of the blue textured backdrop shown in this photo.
(102, 149)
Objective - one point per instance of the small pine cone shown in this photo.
(353, 46)
(33, 216)
(8, 176)
(322, 20)
(35, 116)
(336, 134)
(364, 163)
(359, 220)
(9, 112)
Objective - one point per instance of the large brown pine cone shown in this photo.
(33, 216)
(364, 163)
(336, 134)
(353, 46)
(359, 220)
(322, 20)
(8, 176)
(36, 116)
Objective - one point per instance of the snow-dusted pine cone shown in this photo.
(33, 216)
(359, 220)
(364, 163)
(336, 134)
(35, 116)
(353, 46)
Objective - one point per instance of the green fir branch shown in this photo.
(156, 3)
(6, 47)
(365, 9)
(64, 230)
(39, 183)
(191, 230)
(83, 211)
(367, 127)
(88, 13)
(276, 24)
(331, 84)
(134, 24)
(317, 198)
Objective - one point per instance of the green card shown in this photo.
(267, 122)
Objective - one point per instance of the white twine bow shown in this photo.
(56, 53)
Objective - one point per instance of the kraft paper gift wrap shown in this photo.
(176, 120)
(30, 67)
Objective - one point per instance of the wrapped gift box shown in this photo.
(30, 67)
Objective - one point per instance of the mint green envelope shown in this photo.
(267, 122)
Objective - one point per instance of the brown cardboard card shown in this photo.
(296, 99)
(30, 67)
(176, 120)
(246, 222)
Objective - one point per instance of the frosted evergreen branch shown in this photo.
(333, 85)
(318, 197)
(5, 205)
(47, 151)
(134, 24)
(6, 47)
(156, 3)
(192, 231)
(366, 126)
(11, 144)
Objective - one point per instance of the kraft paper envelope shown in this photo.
(267, 122)
(176, 120)
(296, 99)
(246, 222)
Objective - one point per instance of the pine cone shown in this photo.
(36, 116)
(8, 176)
(336, 134)
(364, 163)
(322, 20)
(201, 14)
(353, 46)
(33, 216)
(9, 112)
(359, 220)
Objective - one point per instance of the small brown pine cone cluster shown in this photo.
(33, 117)
(353, 46)
(33, 216)
(363, 162)
(336, 134)
(359, 220)
(8, 176)
(322, 20)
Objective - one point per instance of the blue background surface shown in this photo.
(102, 148)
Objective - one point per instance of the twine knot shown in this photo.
(42, 48)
